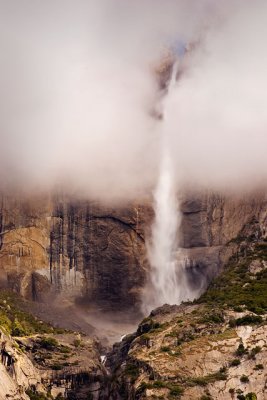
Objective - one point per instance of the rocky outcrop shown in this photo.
(37, 358)
(69, 365)
(17, 373)
(213, 348)
(65, 365)
(180, 353)
(212, 225)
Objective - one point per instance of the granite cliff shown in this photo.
(96, 253)
(74, 247)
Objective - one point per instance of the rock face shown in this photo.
(90, 252)
(106, 246)
(212, 225)
(186, 356)
(17, 373)
(66, 365)
(69, 365)
(214, 348)
(97, 254)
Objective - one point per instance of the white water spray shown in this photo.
(164, 236)
(167, 264)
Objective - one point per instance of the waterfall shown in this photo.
(164, 235)
(167, 264)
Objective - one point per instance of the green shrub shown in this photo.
(215, 318)
(18, 322)
(221, 375)
(77, 343)
(222, 370)
(251, 396)
(200, 381)
(132, 370)
(149, 325)
(185, 337)
(64, 349)
(143, 386)
(18, 329)
(254, 351)
(165, 349)
(154, 385)
(159, 384)
(229, 289)
(49, 343)
(57, 367)
(259, 367)
(235, 362)
(244, 379)
(5, 322)
(238, 309)
(241, 350)
(249, 320)
(175, 390)
(33, 395)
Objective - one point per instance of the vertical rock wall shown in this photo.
(212, 225)
(97, 254)
(87, 251)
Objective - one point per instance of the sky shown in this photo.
(78, 87)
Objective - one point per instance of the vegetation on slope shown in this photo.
(17, 322)
(238, 297)
(236, 287)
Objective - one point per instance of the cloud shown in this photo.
(77, 90)
(217, 116)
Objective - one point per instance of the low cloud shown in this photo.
(77, 91)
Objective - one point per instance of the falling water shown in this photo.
(164, 235)
(167, 265)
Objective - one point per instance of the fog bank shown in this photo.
(78, 90)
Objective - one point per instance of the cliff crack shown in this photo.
(119, 221)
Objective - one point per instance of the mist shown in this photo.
(217, 113)
(77, 87)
